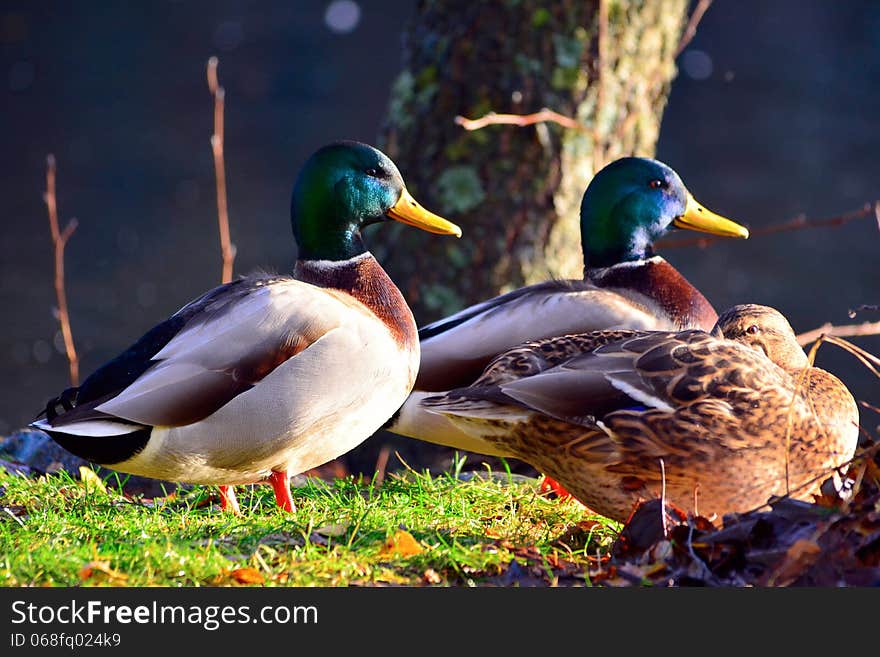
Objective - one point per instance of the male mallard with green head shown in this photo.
(627, 206)
(720, 422)
(266, 376)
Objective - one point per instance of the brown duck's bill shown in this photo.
(698, 218)
(408, 211)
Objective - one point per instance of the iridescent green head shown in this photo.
(632, 202)
(343, 187)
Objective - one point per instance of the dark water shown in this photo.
(774, 114)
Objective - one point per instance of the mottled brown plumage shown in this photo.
(734, 416)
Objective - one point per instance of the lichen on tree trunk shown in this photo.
(516, 191)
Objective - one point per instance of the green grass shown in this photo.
(56, 530)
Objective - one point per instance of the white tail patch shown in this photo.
(94, 428)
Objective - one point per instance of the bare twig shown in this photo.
(59, 240)
(862, 307)
(227, 249)
(799, 386)
(628, 119)
(867, 359)
(690, 30)
(798, 223)
(707, 572)
(601, 58)
(847, 330)
(545, 115)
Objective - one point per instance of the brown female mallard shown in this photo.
(719, 421)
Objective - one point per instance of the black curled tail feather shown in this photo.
(66, 400)
(103, 450)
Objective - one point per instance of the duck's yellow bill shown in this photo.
(696, 217)
(408, 211)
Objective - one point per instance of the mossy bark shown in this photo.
(516, 191)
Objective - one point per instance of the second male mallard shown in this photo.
(627, 206)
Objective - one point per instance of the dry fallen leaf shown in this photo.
(94, 568)
(401, 544)
(247, 576)
(802, 554)
(90, 480)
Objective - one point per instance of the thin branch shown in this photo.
(845, 331)
(798, 223)
(59, 240)
(599, 153)
(707, 572)
(690, 31)
(545, 115)
(862, 307)
(867, 359)
(227, 249)
(801, 381)
(627, 119)
(549, 116)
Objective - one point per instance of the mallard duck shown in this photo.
(266, 376)
(718, 422)
(627, 205)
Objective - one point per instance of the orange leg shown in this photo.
(281, 485)
(228, 501)
(550, 485)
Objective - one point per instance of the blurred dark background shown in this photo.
(774, 114)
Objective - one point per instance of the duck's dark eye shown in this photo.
(372, 172)
(656, 183)
(753, 329)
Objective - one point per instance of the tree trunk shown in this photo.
(516, 191)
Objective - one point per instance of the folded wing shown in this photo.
(206, 354)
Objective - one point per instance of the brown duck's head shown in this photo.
(764, 329)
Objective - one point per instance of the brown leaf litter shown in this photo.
(833, 541)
